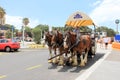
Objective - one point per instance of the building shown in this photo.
(101, 34)
(3, 30)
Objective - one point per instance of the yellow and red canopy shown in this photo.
(78, 19)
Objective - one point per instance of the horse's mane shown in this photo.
(73, 35)
(58, 37)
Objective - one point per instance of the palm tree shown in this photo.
(2, 15)
(25, 21)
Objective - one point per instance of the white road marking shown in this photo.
(89, 71)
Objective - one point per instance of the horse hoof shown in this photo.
(60, 64)
(68, 63)
(85, 62)
(55, 62)
(82, 65)
(74, 64)
(50, 61)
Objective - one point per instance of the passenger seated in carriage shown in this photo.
(77, 31)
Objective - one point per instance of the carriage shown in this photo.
(72, 54)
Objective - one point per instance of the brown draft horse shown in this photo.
(57, 41)
(82, 46)
(48, 37)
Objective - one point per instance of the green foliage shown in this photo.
(85, 29)
(8, 34)
(37, 35)
(28, 31)
(58, 28)
(38, 32)
(67, 28)
(110, 32)
(25, 21)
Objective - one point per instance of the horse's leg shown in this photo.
(75, 63)
(55, 60)
(61, 57)
(50, 53)
(82, 63)
(86, 55)
(70, 60)
(66, 55)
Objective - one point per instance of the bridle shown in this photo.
(48, 39)
(56, 40)
(68, 42)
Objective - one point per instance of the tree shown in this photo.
(85, 29)
(2, 14)
(110, 32)
(37, 35)
(38, 32)
(25, 21)
(43, 28)
(8, 34)
(28, 31)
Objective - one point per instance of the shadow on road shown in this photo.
(53, 66)
(77, 69)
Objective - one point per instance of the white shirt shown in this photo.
(106, 40)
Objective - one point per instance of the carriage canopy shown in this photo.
(78, 19)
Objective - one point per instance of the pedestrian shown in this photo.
(77, 31)
(106, 40)
(101, 42)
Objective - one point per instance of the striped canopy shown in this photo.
(79, 19)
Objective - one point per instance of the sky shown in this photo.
(56, 12)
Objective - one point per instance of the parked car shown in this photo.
(9, 45)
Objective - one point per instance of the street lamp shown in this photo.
(117, 22)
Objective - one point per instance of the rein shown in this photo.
(70, 43)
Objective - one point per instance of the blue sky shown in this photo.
(56, 12)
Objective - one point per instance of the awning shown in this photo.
(79, 19)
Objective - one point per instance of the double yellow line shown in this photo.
(29, 68)
(2, 76)
(33, 67)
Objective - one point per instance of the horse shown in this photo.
(48, 37)
(78, 49)
(57, 41)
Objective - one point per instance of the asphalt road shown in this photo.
(31, 64)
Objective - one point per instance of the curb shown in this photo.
(89, 71)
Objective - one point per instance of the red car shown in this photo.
(9, 45)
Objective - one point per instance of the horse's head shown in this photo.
(48, 37)
(69, 39)
(57, 39)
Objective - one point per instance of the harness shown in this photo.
(57, 42)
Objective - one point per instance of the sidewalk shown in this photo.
(31, 45)
(109, 68)
(26, 44)
(106, 68)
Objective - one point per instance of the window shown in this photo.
(3, 41)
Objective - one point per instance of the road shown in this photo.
(31, 64)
